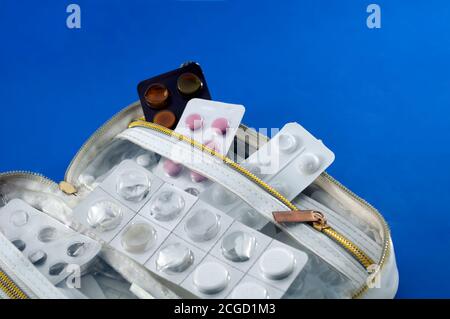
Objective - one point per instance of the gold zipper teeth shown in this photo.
(353, 249)
(10, 288)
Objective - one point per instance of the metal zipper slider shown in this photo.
(317, 219)
(67, 188)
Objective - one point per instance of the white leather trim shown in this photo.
(247, 190)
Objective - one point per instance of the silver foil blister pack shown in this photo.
(49, 245)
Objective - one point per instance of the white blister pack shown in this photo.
(211, 123)
(56, 250)
(187, 241)
(181, 177)
(291, 160)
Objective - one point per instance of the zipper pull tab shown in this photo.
(317, 219)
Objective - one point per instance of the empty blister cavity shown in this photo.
(172, 168)
(104, 215)
(174, 258)
(194, 121)
(211, 278)
(48, 234)
(76, 249)
(250, 290)
(167, 206)
(19, 218)
(138, 237)
(202, 225)
(238, 246)
(133, 185)
(37, 257)
(277, 263)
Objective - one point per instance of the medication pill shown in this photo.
(167, 206)
(171, 168)
(156, 95)
(309, 163)
(202, 225)
(189, 83)
(57, 268)
(174, 258)
(76, 249)
(20, 244)
(104, 215)
(165, 118)
(277, 263)
(37, 257)
(220, 125)
(194, 121)
(249, 290)
(211, 278)
(197, 178)
(287, 143)
(238, 246)
(133, 185)
(138, 237)
(47, 234)
(19, 218)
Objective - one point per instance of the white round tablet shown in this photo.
(211, 278)
(249, 290)
(277, 263)
(288, 143)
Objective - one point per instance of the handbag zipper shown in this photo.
(320, 224)
(121, 115)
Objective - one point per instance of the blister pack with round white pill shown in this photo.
(131, 184)
(291, 160)
(54, 249)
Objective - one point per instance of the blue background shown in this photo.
(379, 98)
